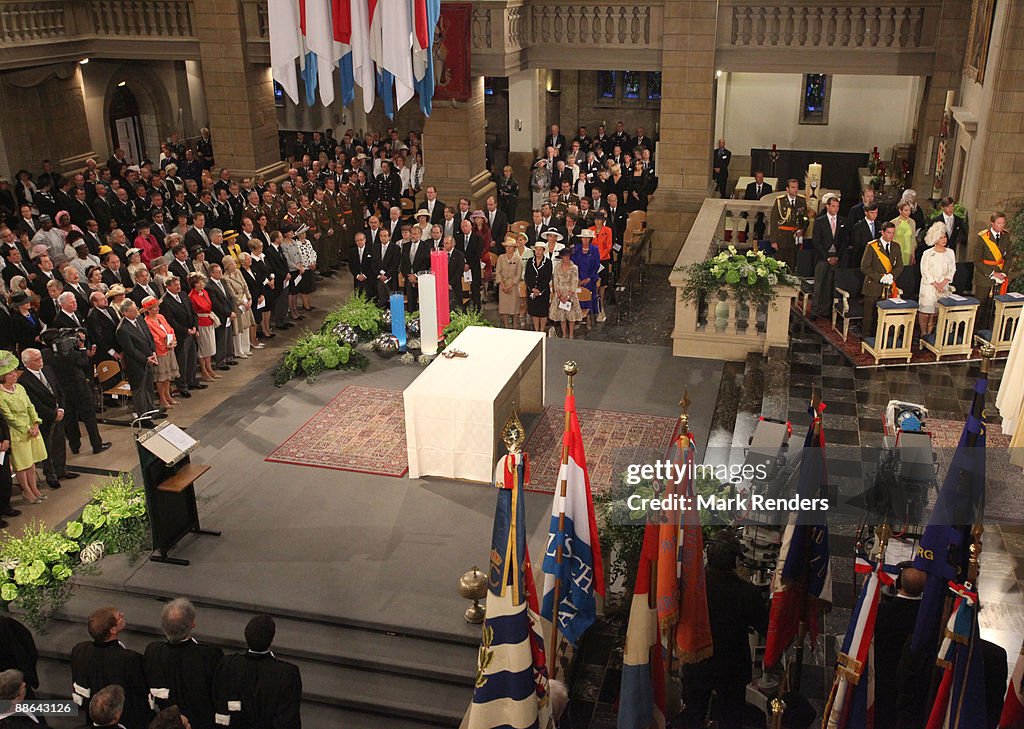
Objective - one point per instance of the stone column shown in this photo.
(45, 100)
(240, 94)
(687, 120)
(453, 140)
(525, 124)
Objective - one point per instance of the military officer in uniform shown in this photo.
(992, 254)
(786, 221)
(881, 264)
(323, 232)
(347, 216)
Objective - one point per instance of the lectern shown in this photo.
(169, 477)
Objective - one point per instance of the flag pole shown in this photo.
(570, 369)
(683, 444)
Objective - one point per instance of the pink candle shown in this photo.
(439, 267)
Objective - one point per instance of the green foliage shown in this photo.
(621, 531)
(459, 321)
(358, 312)
(1016, 227)
(116, 517)
(752, 277)
(314, 352)
(35, 570)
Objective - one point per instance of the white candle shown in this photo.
(428, 313)
(814, 171)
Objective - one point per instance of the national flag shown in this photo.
(851, 703)
(396, 32)
(423, 59)
(320, 40)
(375, 23)
(308, 60)
(573, 534)
(960, 700)
(511, 687)
(681, 590)
(802, 583)
(943, 551)
(363, 71)
(285, 44)
(386, 92)
(1013, 708)
(341, 23)
(642, 696)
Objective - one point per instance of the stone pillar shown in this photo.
(453, 138)
(687, 120)
(240, 94)
(45, 99)
(949, 58)
(525, 124)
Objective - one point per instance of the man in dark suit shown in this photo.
(956, 235)
(434, 206)
(254, 689)
(224, 307)
(144, 286)
(13, 688)
(177, 310)
(557, 140)
(720, 159)
(26, 222)
(388, 256)
(469, 244)
(181, 265)
(881, 265)
(616, 218)
(74, 375)
(101, 324)
(103, 667)
(831, 238)
(139, 352)
(363, 267)
(415, 258)
(536, 230)
(115, 273)
(67, 316)
(100, 206)
(894, 624)
(79, 209)
(73, 284)
(758, 188)
(198, 235)
(456, 267)
(43, 388)
(278, 278)
(863, 232)
(15, 266)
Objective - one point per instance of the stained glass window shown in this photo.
(606, 84)
(630, 85)
(654, 85)
(814, 106)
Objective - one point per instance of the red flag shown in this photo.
(341, 17)
(420, 25)
(1013, 709)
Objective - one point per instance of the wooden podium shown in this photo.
(169, 477)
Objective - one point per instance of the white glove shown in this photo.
(886, 279)
(998, 277)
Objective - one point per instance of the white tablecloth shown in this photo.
(455, 409)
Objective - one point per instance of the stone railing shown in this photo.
(885, 35)
(721, 327)
(54, 31)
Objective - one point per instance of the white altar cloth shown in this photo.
(455, 409)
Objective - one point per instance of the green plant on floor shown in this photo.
(358, 312)
(711, 521)
(459, 321)
(621, 530)
(36, 570)
(314, 352)
(115, 518)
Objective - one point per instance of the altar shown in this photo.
(455, 409)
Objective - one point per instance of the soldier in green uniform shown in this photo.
(323, 232)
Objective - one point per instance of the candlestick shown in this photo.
(428, 312)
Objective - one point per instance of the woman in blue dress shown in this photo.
(588, 260)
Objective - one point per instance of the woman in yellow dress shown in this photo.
(27, 448)
(906, 236)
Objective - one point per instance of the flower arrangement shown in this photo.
(752, 277)
(459, 321)
(314, 352)
(115, 518)
(358, 312)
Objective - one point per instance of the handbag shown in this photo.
(216, 319)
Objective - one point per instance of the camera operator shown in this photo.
(43, 388)
(72, 363)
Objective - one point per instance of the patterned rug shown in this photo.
(361, 430)
(611, 441)
(1004, 490)
(851, 347)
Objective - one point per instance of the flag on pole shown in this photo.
(319, 29)
(285, 44)
(363, 71)
(802, 583)
(1013, 708)
(943, 551)
(511, 687)
(341, 25)
(682, 593)
(960, 701)
(386, 92)
(851, 703)
(423, 58)
(580, 574)
(396, 31)
(642, 696)
(307, 61)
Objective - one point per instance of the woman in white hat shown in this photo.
(538, 286)
(509, 272)
(938, 265)
(565, 304)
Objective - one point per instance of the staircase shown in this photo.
(352, 677)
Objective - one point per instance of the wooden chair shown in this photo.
(845, 307)
(107, 373)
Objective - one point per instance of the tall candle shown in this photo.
(439, 267)
(428, 312)
(398, 319)
(814, 171)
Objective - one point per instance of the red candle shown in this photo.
(773, 147)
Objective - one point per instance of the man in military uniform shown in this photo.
(251, 209)
(271, 207)
(881, 265)
(334, 212)
(323, 232)
(786, 222)
(992, 256)
(347, 220)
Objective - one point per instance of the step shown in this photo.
(723, 421)
(453, 663)
(775, 402)
(54, 675)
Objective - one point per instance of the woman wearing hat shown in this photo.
(588, 263)
(165, 342)
(231, 244)
(423, 223)
(199, 262)
(509, 274)
(158, 270)
(240, 293)
(565, 304)
(27, 447)
(206, 339)
(538, 286)
(94, 279)
(938, 264)
(25, 324)
(146, 243)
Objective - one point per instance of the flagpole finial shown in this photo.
(513, 435)
(571, 369)
(988, 351)
(882, 533)
(684, 413)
